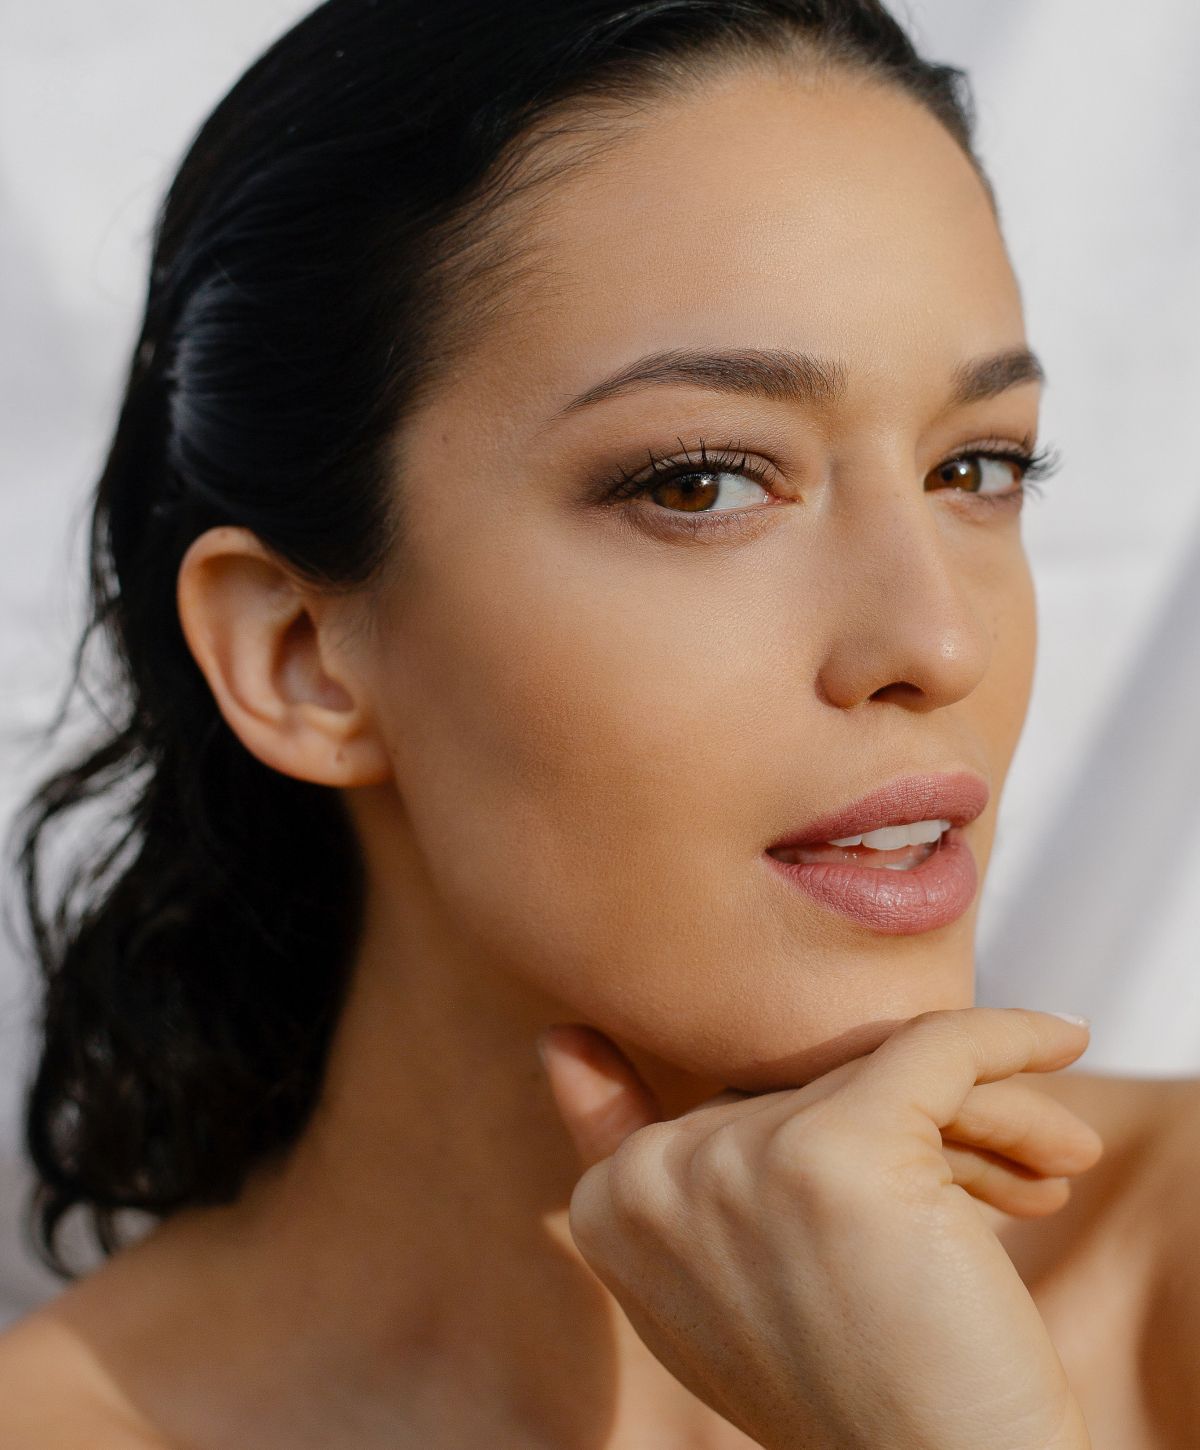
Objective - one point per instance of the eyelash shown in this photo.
(1034, 465)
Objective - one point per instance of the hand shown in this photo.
(810, 1262)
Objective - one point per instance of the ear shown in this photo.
(275, 655)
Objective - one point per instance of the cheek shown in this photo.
(595, 736)
(997, 709)
(575, 726)
(586, 739)
(1004, 695)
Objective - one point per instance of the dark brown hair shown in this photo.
(329, 239)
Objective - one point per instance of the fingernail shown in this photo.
(1071, 1017)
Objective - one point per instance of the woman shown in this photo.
(562, 547)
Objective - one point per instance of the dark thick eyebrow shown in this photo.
(988, 377)
(781, 375)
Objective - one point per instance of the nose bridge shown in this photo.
(906, 626)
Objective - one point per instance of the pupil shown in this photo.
(961, 470)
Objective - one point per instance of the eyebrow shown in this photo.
(781, 375)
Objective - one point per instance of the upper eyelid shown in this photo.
(731, 455)
(735, 458)
(731, 459)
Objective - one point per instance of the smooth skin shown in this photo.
(808, 1262)
(566, 730)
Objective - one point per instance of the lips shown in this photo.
(958, 798)
(930, 894)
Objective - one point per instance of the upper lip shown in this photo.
(957, 798)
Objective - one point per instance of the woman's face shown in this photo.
(601, 712)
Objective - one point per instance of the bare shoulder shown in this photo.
(1141, 1206)
(55, 1394)
(1172, 1174)
(1170, 1209)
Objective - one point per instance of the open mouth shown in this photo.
(891, 848)
(898, 875)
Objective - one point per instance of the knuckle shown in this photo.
(918, 1178)
(815, 1161)
(1027, 1029)
(976, 1034)
(588, 1210)
(951, 1026)
(921, 1020)
(937, 1033)
(636, 1182)
(1005, 1118)
(718, 1168)
(1022, 1140)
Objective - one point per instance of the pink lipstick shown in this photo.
(861, 863)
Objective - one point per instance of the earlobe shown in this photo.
(264, 642)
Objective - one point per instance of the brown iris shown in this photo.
(965, 473)
(693, 492)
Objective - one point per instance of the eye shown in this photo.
(712, 491)
(729, 484)
(712, 483)
(994, 472)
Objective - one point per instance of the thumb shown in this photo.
(595, 1087)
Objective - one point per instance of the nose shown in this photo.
(906, 627)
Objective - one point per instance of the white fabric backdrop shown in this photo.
(1089, 121)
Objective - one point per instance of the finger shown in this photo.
(715, 1111)
(1018, 1121)
(771, 1105)
(1006, 1185)
(933, 1060)
(598, 1092)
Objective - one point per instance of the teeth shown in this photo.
(891, 838)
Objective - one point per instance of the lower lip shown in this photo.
(897, 903)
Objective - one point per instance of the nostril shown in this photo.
(900, 693)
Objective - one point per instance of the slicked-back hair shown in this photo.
(346, 220)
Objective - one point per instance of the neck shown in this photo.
(407, 1274)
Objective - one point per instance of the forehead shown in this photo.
(824, 213)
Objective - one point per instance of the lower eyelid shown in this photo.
(698, 524)
(974, 503)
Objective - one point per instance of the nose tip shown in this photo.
(910, 633)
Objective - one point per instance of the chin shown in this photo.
(874, 997)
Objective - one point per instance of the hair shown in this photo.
(342, 225)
